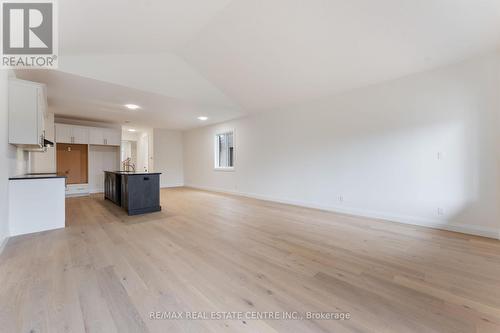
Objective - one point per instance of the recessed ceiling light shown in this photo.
(202, 118)
(132, 106)
(132, 130)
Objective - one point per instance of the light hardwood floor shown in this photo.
(211, 252)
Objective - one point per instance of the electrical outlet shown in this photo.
(440, 211)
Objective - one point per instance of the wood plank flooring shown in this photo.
(106, 272)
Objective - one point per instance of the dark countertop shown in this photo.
(133, 173)
(37, 176)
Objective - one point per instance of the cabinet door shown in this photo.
(80, 134)
(113, 137)
(41, 112)
(96, 136)
(63, 133)
(23, 113)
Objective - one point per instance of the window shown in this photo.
(224, 151)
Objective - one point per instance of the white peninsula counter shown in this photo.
(36, 203)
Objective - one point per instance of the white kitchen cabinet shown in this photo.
(96, 136)
(80, 134)
(88, 135)
(63, 133)
(105, 136)
(72, 134)
(27, 108)
(36, 205)
(113, 137)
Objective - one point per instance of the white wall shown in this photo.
(45, 162)
(143, 140)
(128, 150)
(422, 149)
(168, 157)
(4, 158)
(101, 158)
(13, 161)
(129, 136)
(143, 152)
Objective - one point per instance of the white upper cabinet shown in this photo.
(96, 136)
(105, 136)
(27, 108)
(113, 137)
(63, 133)
(88, 135)
(72, 134)
(80, 134)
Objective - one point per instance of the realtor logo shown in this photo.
(29, 38)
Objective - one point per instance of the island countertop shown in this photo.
(133, 173)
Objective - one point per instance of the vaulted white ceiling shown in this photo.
(225, 59)
(132, 26)
(267, 53)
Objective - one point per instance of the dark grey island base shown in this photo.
(137, 192)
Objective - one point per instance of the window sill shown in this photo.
(224, 169)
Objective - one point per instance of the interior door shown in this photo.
(72, 162)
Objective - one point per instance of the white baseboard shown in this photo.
(411, 220)
(3, 243)
(171, 185)
(77, 190)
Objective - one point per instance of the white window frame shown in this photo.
(216, 151)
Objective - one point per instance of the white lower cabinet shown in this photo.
(36, 205)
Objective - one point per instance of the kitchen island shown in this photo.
(136, 192)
